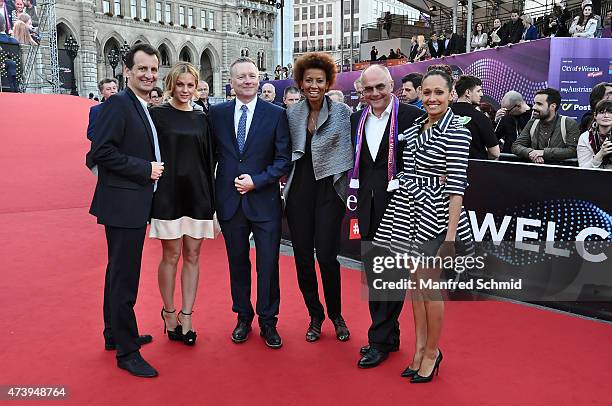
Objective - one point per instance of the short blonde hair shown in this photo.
(172, 77)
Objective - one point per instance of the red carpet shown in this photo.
(53, 260)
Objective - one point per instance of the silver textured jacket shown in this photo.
(332, 149)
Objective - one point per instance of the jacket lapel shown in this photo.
(258, 118)
(142, 115)
(383, 147)
(229, 118)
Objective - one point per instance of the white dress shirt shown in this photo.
(375, 129)
(238, 112)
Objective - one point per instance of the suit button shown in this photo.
(241, 160)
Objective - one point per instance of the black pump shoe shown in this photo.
(177, 333)
(409, 372)
(424, 379)
(189, 338)
(314, 330)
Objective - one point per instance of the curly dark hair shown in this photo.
(315, 60)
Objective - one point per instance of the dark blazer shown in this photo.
(513, 32)
(456, 45)
(413, 51)
(205, 107)
(266, 157)
(532, 33)
(372, 196)
(432, 50)
(122, 147)
(93, 115)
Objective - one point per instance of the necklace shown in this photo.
(313, 120)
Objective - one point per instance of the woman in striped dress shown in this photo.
(425, 216)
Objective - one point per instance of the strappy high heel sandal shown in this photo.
(189, 338)
(177, 333)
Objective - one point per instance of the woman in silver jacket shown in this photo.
(316, 191)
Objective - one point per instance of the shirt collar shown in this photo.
(144, 103)
(250, 105)
(384, 113)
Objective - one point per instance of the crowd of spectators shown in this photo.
(19, 20)
(520, 27)
(535, 133)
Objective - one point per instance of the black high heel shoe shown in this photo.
(177, 333)
(314, 330)
(189, 338)
(342, 331)
(409, 372)
(424, 379)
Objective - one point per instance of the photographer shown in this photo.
(595, 145)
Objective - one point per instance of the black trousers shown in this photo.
(121, 287)
(384, 332)
(267, 235)
(314, 215)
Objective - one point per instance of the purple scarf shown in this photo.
(393, 133)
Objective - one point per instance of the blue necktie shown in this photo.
(241, 136)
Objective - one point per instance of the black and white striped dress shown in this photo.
(419, 209)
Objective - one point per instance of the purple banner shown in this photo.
(520, 67)
(576, 65)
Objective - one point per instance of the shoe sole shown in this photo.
(136, 375)
(369, 366)
(275, 347)
(236, 341)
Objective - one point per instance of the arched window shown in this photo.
(165, 55)
(244, 52)
(185, 55)
(261, 60)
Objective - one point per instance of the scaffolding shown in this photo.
(41, 67)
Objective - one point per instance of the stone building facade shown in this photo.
(208, 33)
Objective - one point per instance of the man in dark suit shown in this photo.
(436, 46)
(414, 47)
(204, 91)
(453, 43)
(253, 149)
(373, 197)
(126, 151)
(512, 30)
(107, 87)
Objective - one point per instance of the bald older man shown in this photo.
(204, 91)
(373, 196)
(511, 118)
(268, 93)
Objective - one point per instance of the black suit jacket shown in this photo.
(432, 50)
(266, 157)
(456, 45)
(122, 147)
(372, 196)
(206, 106)
(513, 32)
(413, 51)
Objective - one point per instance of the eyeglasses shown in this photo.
(379, 88)
(156, 97)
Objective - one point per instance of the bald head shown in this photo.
(511, 98)
(375, 70)
(203, 89)
(268, 92)
(377, 88)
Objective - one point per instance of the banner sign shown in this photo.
(522, 67)
(576, 65)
